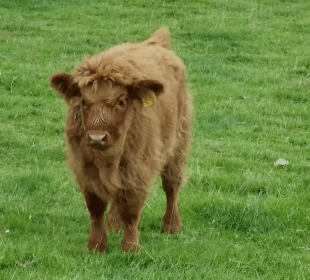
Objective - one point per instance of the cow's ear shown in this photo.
(147, 92)
(63, 83)
(155, 86)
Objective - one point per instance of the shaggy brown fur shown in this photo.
(115, 145)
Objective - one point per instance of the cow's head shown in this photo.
(112, 86)
(107, 108)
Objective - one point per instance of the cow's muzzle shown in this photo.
(98, 140)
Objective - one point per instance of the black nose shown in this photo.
(97, 137)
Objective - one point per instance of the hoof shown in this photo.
(97, 246)
(171, 224)
(130, 246)
(97, 241)
(171, 228)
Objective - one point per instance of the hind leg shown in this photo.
(114, 221)
(171, 182)
(172, 174)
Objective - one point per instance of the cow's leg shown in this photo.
(173, 177)
(97, 240)
(130, 204)
(114, 221)
(171, 182)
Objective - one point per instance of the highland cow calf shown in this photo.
(128, 120)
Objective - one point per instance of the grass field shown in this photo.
(242, 217)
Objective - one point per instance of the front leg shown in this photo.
(97, 240)
(130, 204)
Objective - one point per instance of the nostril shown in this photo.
(97, 137)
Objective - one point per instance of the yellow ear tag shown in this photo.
(149, 99)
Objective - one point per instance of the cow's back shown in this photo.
(156, 130)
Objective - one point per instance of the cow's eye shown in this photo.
(122, 103)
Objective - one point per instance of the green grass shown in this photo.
(242, 217)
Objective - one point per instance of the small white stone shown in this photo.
(282, 162)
